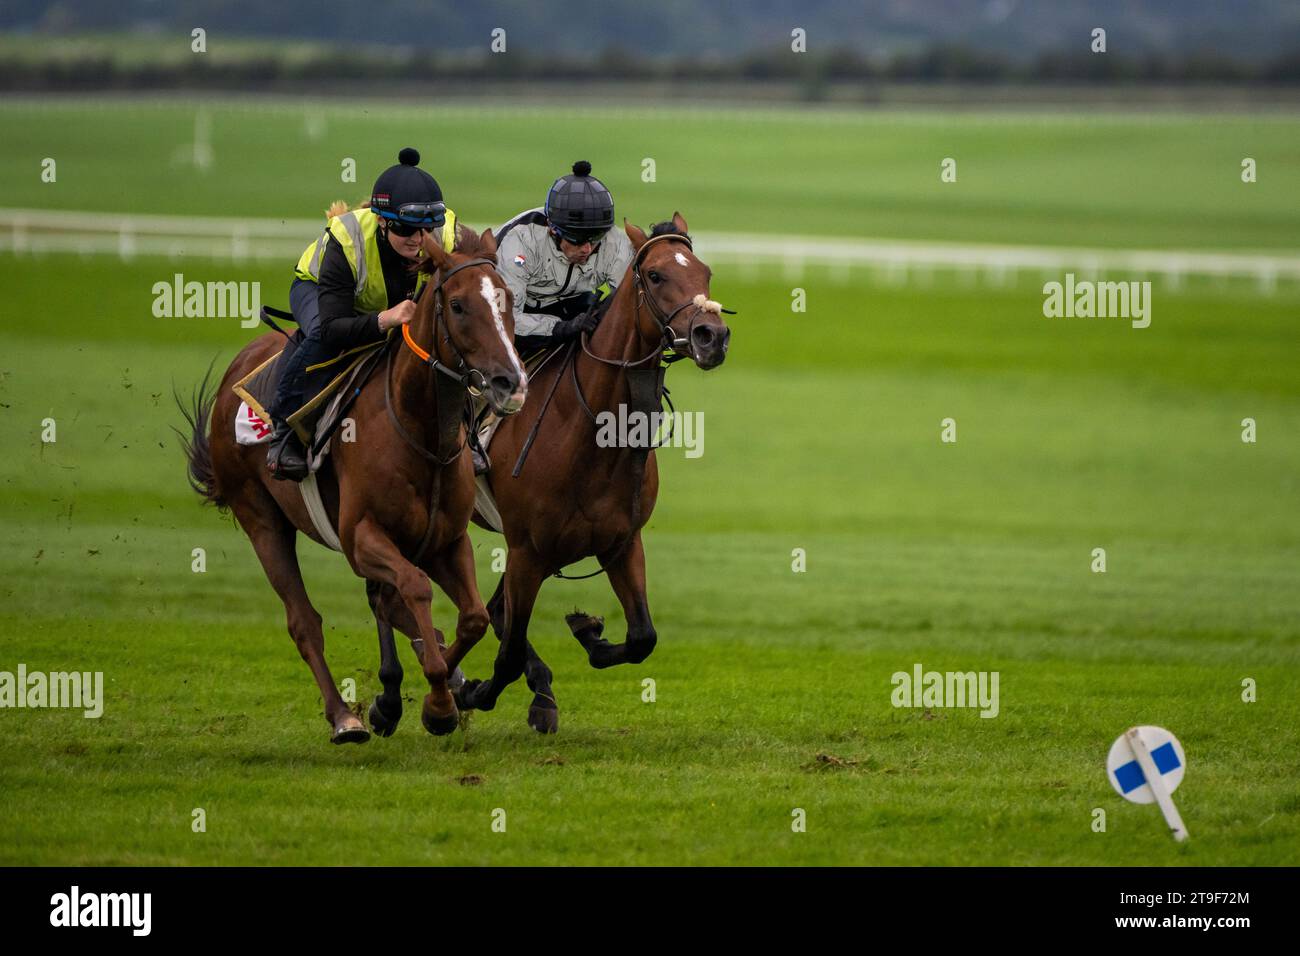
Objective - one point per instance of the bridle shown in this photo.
(663, 319)
(652, 377)
(462, 374)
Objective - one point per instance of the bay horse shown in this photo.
(400, 495)
(573, 499)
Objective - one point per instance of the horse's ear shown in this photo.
(438, 257)
(487, 244)
(679, 223)
(635, 234)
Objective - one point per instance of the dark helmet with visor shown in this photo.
(579, 208)
(408, 196)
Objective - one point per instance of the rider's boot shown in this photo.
(287, 458)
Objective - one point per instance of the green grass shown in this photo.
(822, 434)
(1112, 180)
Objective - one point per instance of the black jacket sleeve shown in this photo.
(342, 327)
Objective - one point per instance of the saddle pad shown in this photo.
(251, 428)
(258, 387)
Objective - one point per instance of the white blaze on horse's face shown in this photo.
(489, 293)
(681, 260)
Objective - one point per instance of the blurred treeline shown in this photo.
(130, 62)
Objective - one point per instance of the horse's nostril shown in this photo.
(703, 336)
(503, 384)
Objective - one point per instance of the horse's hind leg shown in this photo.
(544, 711)
(627, 576)
(386, 708)
(274, 540)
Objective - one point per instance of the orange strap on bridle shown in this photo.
(411, 343)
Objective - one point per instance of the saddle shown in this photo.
(329, 389)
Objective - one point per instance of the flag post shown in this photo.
(1155, 781)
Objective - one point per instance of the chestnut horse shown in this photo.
(574, 499)
(400, 495)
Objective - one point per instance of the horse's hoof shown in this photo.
(380, 722)
(544, 717)
(350, 734)
(440, 725)
(583, 624)
(463, 695)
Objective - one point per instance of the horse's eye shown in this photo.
(457, 307)
(655, 277)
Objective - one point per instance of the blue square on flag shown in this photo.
(1129, 777)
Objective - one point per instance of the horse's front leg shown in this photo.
(626, 571)
(453, 571)
(376, 557)
(544, 711)
(524, 575)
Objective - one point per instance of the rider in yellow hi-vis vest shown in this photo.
(353, 284)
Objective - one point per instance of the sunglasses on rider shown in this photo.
(405, 231)
(580, 236)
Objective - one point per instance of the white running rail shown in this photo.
(42, 232)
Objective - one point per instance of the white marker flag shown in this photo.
(1146, 765)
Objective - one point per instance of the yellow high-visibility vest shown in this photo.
(359, 229)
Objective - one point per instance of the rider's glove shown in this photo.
(567, 329)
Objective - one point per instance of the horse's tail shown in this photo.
(198, 451)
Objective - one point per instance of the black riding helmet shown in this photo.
(407, 194)
(579, 208)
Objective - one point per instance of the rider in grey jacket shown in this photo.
(555, 258)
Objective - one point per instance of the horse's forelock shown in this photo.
(466, 238)
(470, 243)
(665, 229)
